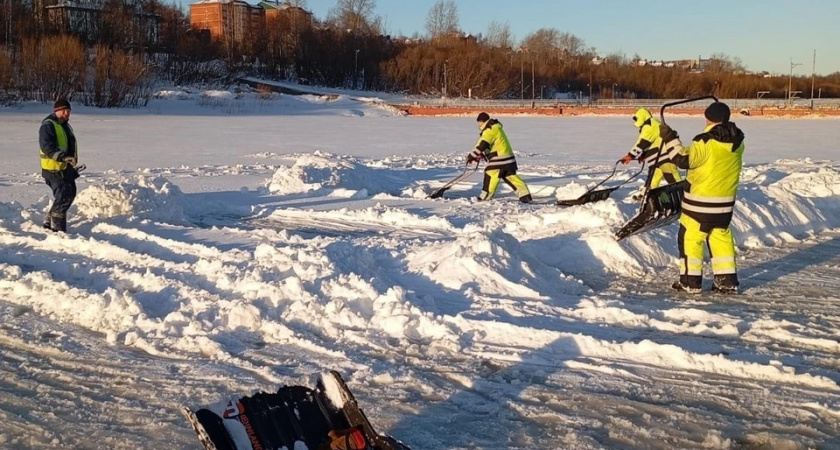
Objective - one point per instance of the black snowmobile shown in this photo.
(289, 418)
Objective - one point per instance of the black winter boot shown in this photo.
(58, 223)
(690, 284)
(526, 198)
(726, 284)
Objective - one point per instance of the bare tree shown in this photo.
(442, 19)
(721, 62)
(499, 35)
(355, 15)
(549, 40)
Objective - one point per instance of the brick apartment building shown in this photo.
(237, 20)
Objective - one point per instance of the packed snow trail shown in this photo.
(598, 372)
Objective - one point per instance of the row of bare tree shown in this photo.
(60, 66)
(119, 57)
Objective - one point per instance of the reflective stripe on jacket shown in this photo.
(649, 140)
(713, 161)
(493, 144)
(53, 161)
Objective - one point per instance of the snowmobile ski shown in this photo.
(467, 172)
(659, 206)
(596, 195)
(320, 419)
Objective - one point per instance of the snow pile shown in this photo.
(143, 198)
(170, 94)
(343, 176)
(786, 201)
(376, 219)
(491, 264)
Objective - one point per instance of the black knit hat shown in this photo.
(717, 112)
(60, 104)
(482, 117)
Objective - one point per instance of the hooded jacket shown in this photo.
(713, 161)
(494, 146)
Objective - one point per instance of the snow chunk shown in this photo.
(143, 197)
(324, 171)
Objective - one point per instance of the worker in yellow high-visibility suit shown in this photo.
(647, 146)
(494, 147)
(713, 162)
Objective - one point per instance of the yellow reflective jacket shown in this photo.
(53, 160)
(713, 161)
(494, 146)
(649, 139)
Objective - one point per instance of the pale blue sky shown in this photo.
(764, 34)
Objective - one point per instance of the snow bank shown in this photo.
(142, 197)
(318, 172)
(490, 263)
(786, 201)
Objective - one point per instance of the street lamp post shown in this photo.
(356, 71)
(533, 85)
(444, 77)
(813, 77)
(790, 82)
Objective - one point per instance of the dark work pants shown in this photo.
(63, 185)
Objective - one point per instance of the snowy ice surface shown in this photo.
(222, 243)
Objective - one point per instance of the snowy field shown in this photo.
(221, 245)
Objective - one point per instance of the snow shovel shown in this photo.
(662, 205)
(467, 172)
(593, 195)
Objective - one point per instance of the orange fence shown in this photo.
(583, 110)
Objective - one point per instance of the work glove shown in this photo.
(472, 159)
(70, 160)
(626, 159)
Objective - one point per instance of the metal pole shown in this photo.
(356, 71)
(444, 77)
(813, 74)
(533, 85)
(790, 82)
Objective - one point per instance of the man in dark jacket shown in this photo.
(59, 163)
